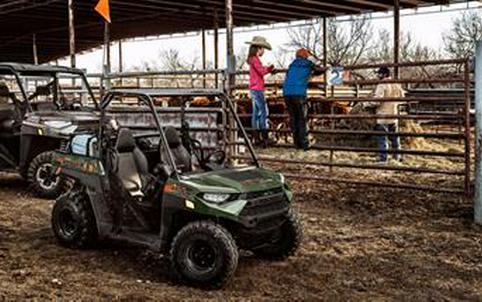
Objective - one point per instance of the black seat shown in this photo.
(4, 92)
(7, 110)
(181, 156)
(132, 166)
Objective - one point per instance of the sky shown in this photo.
(426, 25)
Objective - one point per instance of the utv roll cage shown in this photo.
(22, 70)
(147, 95)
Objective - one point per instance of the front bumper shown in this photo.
(261, 220)
(263, 208)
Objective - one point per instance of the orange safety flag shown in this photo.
(103, 9)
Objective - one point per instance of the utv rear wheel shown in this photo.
(204, 254)
(73, 220)
(287, 241)
(42, 178)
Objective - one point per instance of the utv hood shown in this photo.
(243, 180)
(60, 123)
(75, 117)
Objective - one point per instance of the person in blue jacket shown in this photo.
(295, 90)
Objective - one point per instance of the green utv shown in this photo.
(41, 106)
(139, 181)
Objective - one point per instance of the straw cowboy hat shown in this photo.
(261, 42)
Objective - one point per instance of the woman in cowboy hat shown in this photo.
(257, 71)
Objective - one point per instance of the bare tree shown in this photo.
(171, 60)
(410, 50)
(347, 46)
(347, 42)
(466, 31)
(281, 58)
(241, 58)
(308, 36)
(382, 50)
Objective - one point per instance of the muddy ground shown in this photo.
(360, 243)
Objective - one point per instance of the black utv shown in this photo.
(41, 106)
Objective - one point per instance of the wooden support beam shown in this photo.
(216, 47)
(325, 42)
(231, 61)
(34, 49)
(231, 72)
(396, 36)
(204, 55)
(107, 67)
(71, 33)
(121, 59)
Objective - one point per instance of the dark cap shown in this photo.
(383, 71)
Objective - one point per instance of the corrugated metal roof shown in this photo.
(48, 19)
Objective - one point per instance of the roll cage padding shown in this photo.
(125, 141)
(173, 137)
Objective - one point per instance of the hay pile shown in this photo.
(368, 141)
(413, 142)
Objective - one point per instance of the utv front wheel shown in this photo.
(204, 254)
(287, 241)
(42, 178)
(73, 220)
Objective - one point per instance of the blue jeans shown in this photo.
(383, 141)
(259, 118)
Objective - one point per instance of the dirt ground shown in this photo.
(360, 243)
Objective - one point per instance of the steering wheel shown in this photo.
(67, 105)
(218, 157)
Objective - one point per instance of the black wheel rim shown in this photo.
(201, 257)
(67, 223)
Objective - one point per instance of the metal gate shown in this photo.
(438, 104)
(435, 129)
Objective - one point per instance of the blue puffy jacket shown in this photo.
(298, 77)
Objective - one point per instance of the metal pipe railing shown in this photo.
(450, 109)
(358, 166)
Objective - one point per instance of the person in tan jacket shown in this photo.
(388, 125)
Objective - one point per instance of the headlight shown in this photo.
(216, 197)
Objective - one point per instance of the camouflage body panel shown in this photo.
(77, 163)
